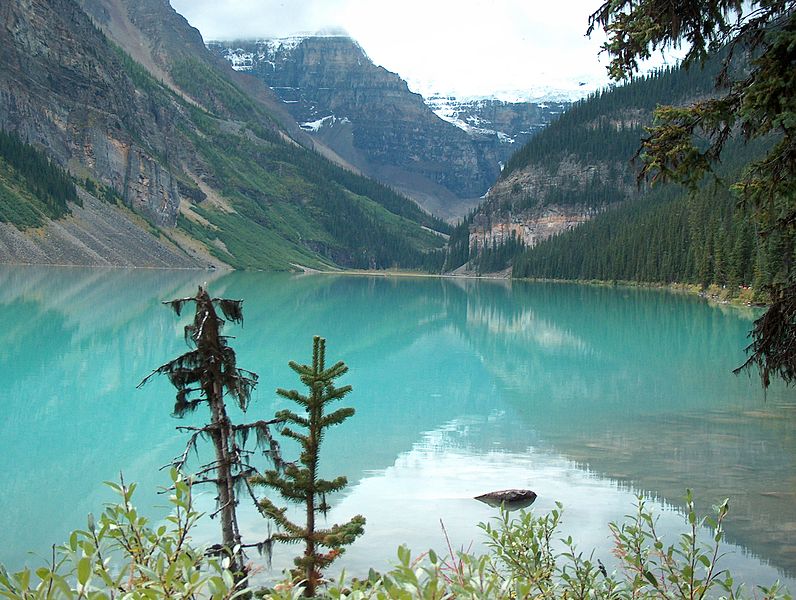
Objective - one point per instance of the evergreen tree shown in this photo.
(758, 100)
(300, 483)
(205, 375)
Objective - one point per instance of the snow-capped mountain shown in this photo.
(442, 151)
(512, 121)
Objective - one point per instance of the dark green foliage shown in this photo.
(497, 256)
(773, 338)
(759, 102)
(24, 168)
(215, 92)
(140, 77)
(665, 237)
(588, 153)
(211, 364)
(459, 244)
(609, 124)
(293, 206)
(300, 482)
(205, 375)
(103, 192)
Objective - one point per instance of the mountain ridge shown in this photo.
(212, 165)
(370, 116)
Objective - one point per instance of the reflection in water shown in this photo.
(582, 394)
(434, 483)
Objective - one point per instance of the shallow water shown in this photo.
(587, 395)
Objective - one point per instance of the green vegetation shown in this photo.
(103, 192)
(667, 236)
(524, 561)
(685, 144)
(585, 154)
(302, 484)
(295, 207)
(32, 188)
(609, 124)
(291, 206)
(120, 555)
(496, 257)
(203, 83)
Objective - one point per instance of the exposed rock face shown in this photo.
(537, 185)
(95, 234)
(369, 116)
(512, 121)
(536, 203)
(63, 88)
(531, 226)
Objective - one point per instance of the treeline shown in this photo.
(653, 236)
(457, 252)
(609, 123)
(495, 257)
(360, 241)
(488, 258)
(666, 237)
(322, 172)
(50, 187)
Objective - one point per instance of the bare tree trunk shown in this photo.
(220, 434)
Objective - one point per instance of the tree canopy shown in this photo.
(755, 98)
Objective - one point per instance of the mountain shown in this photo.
(575, 169)
(568, 204)
(443, 156)
(177, 159)
(512, 121)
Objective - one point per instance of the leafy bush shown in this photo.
(121, 556)
(523, 563)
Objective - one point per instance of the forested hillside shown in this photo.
(32, 189)
(575, 168)
(585, 160)
(669, 235)
(665, 236)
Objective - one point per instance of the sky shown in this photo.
(461, 47)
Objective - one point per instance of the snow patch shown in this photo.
(552, 89)
(326, 121)
(240, 60)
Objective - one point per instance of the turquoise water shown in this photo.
(589, 396)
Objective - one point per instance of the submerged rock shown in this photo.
(509, 499)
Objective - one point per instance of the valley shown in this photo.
(163, 162)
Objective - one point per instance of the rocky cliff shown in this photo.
(577, 167)
(445, 160)
(64, 88)
(205, 164)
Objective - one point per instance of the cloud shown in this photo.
(462, 46)
(244, 19)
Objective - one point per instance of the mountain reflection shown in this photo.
(632, 386)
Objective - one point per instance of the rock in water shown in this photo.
(509, 499)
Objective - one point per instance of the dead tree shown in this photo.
(207, 374)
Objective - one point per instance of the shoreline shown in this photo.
(712, 294)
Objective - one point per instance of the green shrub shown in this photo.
(121, 556)
(523, 562)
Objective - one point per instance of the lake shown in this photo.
(588, 395)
